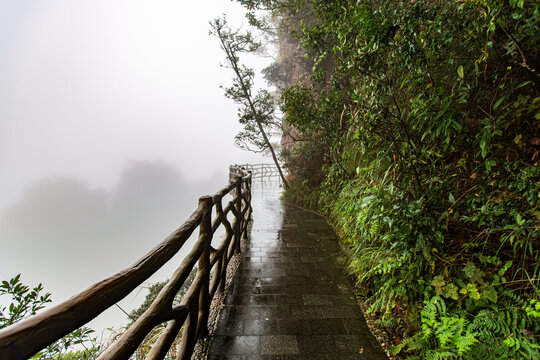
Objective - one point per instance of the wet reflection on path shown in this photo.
(289, 299)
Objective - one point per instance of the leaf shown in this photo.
(451, 198)
(498, 102)
(460, 71)
(505, 268)
(438, 283)
(483, 146)
(490, 294)
(473, 273)
(472, 290)
(451, 291)
(523, 84)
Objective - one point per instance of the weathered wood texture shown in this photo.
(24, 339)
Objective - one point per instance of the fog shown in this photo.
(112, 124)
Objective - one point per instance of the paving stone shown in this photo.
(346, 299)
(317, 344)
(279, 344)
(312, 299)
(306, 312)
(349, 344)
(356, 327)
(293, 327)
(328, 327)
(259, 327)
(235, 345)
(288, 299)
(247, 312)
(344, 312)
(230, 328)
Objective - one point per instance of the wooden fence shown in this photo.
(262, 171)
(24, 339)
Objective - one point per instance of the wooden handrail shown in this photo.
(262, 171)
(24, 339)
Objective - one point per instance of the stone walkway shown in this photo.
(289, 298)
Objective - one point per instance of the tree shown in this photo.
(256, 112)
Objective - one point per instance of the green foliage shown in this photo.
(23, 302)
(26, 302)
(424, 117)
(496, 333)
(443, 336)
(66, 348)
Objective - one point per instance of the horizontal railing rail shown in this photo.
(24, 339)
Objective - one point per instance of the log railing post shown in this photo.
(205, 234)
(187, 343)
(238, 221)
(248, 195)
(223, 275)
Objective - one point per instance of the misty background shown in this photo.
(112, 124)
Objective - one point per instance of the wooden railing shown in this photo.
(26, 338)
(262, 171)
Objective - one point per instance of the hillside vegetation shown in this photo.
(416, 132)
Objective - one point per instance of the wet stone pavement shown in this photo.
(290, 299)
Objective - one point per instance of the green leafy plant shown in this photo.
(23, 301)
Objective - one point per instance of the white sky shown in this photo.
(88, 86)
